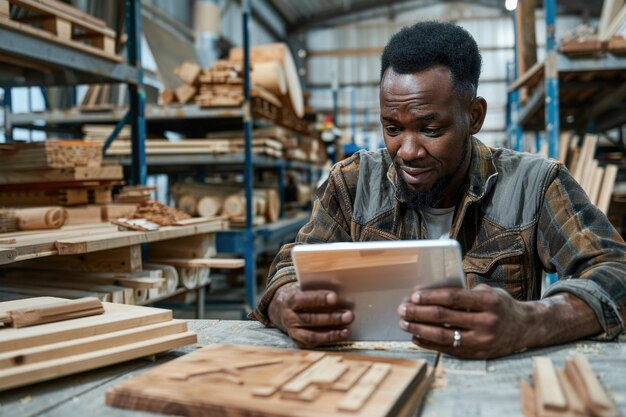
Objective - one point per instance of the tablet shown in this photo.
(374, 278)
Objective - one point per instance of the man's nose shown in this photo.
(411, 148)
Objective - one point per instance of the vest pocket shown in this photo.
(497, 262)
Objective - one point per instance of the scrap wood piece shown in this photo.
(355, 372)
(52, 312)
(157, 212)
(361, 392)
(548, 394)
(574, 401)
(586, 384)
(324, 372)
(228, 369)
(527, 398)
(140, 225)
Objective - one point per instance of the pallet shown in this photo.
(61, 23)
(259, 381)
(49, 351)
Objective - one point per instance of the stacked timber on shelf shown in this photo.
(597, 181)
(67, 173)
(228, 201)
(58, 22)
(47, 351)
(259, 381)
(99, 260)
(275, 142)
(276, 91)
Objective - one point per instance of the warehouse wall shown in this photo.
(492, 30)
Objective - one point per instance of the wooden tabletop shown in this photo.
(464, 388)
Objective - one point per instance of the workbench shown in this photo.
(465, 388)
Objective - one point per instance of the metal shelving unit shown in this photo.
(248, 242)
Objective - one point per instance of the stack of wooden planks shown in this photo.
(66, 173)
(574, 391)
(157, 212)
(252, 380)
(58, 22)
(48, 351)
(597, 181)
(229, 201)
(50, 154)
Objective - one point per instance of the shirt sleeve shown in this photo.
(576, 240)
(329, 222)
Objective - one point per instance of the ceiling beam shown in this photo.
(386, 8)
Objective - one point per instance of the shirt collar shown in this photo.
(481, 177)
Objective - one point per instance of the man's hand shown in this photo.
(489, 321)
(310, 318)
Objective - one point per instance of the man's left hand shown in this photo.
(480, 323)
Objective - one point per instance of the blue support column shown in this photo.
(515, 131)
(137, 95)
(250, 275)
(7, 107)
(552, 91)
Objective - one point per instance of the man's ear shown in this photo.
(477, 111)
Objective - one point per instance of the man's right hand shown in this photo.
(310, 318)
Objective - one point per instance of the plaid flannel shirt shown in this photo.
(519, 215)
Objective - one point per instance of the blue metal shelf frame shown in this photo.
(249, 255)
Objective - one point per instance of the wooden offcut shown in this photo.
(120, 333)
(52, 312)
(289, 383)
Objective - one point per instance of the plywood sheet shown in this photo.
(233, 374)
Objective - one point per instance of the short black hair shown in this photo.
(427, 44)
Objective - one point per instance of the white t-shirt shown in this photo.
(438, 222)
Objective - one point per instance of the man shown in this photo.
(515, 215)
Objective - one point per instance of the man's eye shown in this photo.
(431, 132)
(392, 130)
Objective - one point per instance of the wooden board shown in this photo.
(232, 373)
(116, 317)
(101, 173)
(202, 262)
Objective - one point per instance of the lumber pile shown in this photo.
(120, 333)
(50, 154)
(55, 172)
(597, 181)
(574, 391)
(253, 380)
(134, 194)
(228, 201)
(58, 22)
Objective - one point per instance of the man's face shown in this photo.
(426, 126)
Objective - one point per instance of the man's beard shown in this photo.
(418, 200)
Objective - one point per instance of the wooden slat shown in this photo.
(606, 188)
(202, 262)
(82, 345)
(116, 317)
(549, 396)
(361, 392)
(101, 173)
(55, 368)
(55, 311)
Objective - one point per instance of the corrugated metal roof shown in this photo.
(303, 14)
